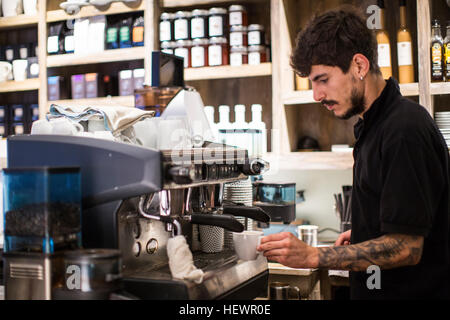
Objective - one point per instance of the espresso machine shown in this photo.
(134, 199)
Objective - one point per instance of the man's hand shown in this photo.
(287, 249)
(344, 238)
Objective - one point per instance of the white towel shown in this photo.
(117, 118)
(181, 261)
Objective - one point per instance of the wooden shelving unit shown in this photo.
(228, 72)
(310, 161)
(18, 21)
(190, 3)
(125, 54)
(16, 86)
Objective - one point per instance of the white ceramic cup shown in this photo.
(12, 8)
(20, 69)
(5, 70)
(64, 126)
(41, 127)
(30, 7)
(245, 244)
(147, 131)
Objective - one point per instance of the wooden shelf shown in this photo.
(190, 3)
(126, 54)
(228, 72)
(309, 161)
(440, 88)
(18, 21)
(124, 101)
(14, 86)
(90, 11)
(306, 96)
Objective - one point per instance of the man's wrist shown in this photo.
(313, 257)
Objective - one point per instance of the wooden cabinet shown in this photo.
(289, 114)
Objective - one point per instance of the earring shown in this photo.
(361, 78)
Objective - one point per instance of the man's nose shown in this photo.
(318, 94)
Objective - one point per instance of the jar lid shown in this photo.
(183, 43)
(255, 27)
(199, 12)
(182, 14)
(238, 49)
(237, 7)
(256, 48)
(167, 44)
(238, 28)
(202, 41)
(217, 40)
(167, 16)
(217, 11)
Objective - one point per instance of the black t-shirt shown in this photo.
(401, 185)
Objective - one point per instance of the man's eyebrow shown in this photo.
(318, 76)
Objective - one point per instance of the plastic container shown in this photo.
(257, 54)
(238, 36)
(199, 53)
(183, 50)
(218, 52)
(166, 26)
(218, 22)
(199, 24)
(182, 25)
(238, 56)
(256, 34)
(42, 209)
(238, 15)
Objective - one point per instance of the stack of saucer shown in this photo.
(240, 192)
(443, 122)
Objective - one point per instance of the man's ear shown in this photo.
(360, 65)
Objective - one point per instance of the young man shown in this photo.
(400, 199)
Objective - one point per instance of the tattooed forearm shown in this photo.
(388, 251)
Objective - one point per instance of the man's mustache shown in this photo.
(328, 102)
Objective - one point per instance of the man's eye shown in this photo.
(323, 80)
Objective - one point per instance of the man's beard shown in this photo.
(358, 105)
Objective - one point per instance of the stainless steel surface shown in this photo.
(282, 291)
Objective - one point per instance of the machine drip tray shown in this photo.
(223, 273)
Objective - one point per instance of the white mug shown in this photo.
(12, 8)
(30, 7)
(5, 70)
(64, 126)
(41, 127)
(20, 69)
(245, 244)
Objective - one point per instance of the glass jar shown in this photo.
(168, 47)
(256, 34)
(238, 15)
(257, 54)
(199, 24)
(238, 56)
(182, 25)
(218, 51)
(217, 22)
(238, 36)
(183, 50)
(166, 26)
(199, 53)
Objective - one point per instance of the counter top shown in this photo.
(277, 268)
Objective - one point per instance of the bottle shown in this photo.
(404, 49)
(241, 136)
(259, 131)
(437, 70)
(125, 40)
(209, 112)
(384, 48)
(447, 53)
(138, 32)
(112, 33)
(224, 126)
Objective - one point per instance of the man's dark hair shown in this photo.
(332, 39)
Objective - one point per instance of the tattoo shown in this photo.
(388, 251)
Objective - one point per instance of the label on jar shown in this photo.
(181, 29)
(236, 59)
(236, 39)
(198, 57)
(404, 50)
(138, 34)
(52, 44)
(183, 53)
(254, 37)
(111, 35)
(165, 32)
(215, 55)
(198, 28)
(436, 60)
(69, 44)
(215, 26)
(384, 55)
(18, 112)
(235, 18)
(254, 58)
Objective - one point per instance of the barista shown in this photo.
(400, 197)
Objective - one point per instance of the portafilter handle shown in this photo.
(255, 213)
(227, 222)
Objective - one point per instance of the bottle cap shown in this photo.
(239, 108)
(224, 108)
(256, 108)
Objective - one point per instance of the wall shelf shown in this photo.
(190, 3)
(124, 101)
(90, 11)
(126, 54)
(228, 72)
(320, 160)
(18, 21)
(440, 88)
(15, 86)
